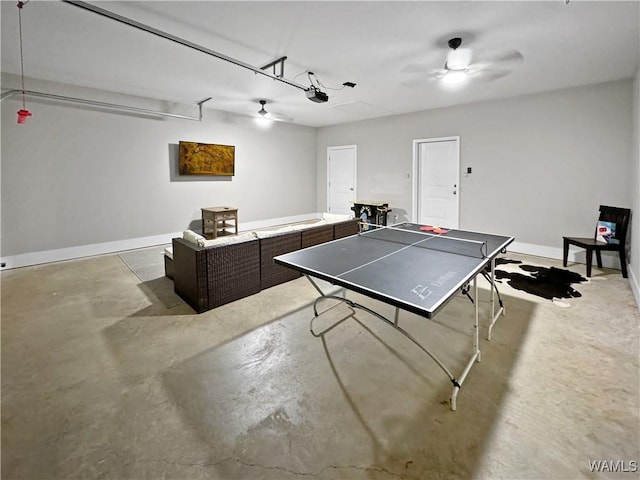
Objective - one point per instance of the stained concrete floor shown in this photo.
(104, 375)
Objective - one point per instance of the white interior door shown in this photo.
(341, 179)
(437, 181)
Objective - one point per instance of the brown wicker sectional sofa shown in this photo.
(209, 275)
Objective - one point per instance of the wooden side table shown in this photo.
(217, 219)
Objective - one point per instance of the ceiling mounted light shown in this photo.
(458, 58)
(454, 78)
(463, 64)
(264, 118)
(455, 72)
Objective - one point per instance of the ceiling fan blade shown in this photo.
(503, 59)
(487, 67)
(437, 74)
(489, 74)
(278, 117)
(416, 67)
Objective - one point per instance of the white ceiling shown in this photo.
(386, 48)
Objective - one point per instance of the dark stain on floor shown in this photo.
(548, 283)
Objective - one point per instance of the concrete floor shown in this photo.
(100, 379)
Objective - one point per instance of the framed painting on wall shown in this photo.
(206, 159)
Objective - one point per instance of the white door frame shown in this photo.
(355, 168)
(416, 186)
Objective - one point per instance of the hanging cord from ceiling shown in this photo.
(20, 5)
(23, 114)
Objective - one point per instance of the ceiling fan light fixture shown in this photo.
(458, 59)
(263, 118)
(263, 122)
(455, 78)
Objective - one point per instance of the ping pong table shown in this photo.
(408, 268)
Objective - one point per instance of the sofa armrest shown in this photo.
(190, 274)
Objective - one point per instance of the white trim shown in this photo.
(555, 253)
(414, 185)
(577, 256)
(538, 250)
(355, 170)
(71, 253)
(81, 251)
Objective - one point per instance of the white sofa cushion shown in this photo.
(304, 226)
(273, 233)
(229, 239)
(336, 217)
(193, 237)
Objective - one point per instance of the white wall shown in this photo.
(74, 176)
(542, 164)
(634, 178)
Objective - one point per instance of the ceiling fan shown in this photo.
(463, 63)
(266, 115)
(460, 63)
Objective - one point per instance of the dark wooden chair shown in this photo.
(618, 216)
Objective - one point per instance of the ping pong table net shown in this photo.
(426, 240)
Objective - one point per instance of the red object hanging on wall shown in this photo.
(23, 115)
